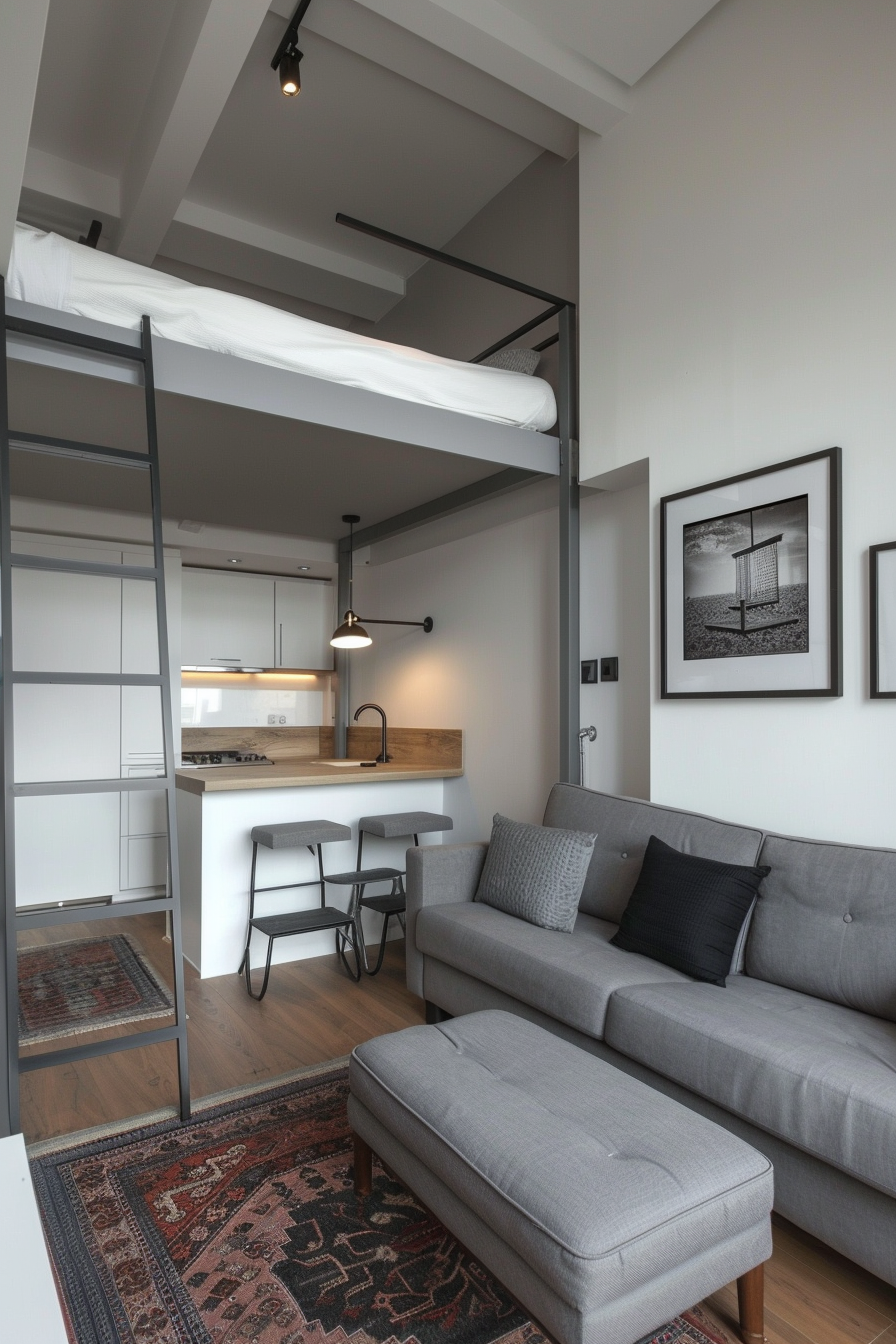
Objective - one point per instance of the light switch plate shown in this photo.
(609, 669)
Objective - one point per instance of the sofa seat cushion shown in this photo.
(569, 976)
(821, 1076)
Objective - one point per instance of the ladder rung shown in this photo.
(135, 1041)
(91, 452)
(47, 788)
(48, 916)
(43, 331)
(86, 679)
(20, 561)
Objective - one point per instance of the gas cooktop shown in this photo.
(206, 760)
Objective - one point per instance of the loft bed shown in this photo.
(461, 425)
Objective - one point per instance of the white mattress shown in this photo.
(49, 270)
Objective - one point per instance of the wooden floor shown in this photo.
(313, 1013)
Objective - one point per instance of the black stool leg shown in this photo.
(267, 972)
(245, 960)
(342, 938)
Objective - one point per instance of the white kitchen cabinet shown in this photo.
(65, 622)
(67, 848)
(305, 619)
(227, 620)
(66, 732)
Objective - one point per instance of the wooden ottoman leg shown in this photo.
(364, 1171)
(750, 1305)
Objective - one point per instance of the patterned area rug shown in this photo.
(242, 1225)
(65, 988)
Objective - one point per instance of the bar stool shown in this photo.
(389, 826)
(295, 835)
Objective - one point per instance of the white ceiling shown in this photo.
(165, 121)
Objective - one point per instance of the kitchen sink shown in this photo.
(344, 764)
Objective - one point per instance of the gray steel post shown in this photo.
(343, 658)
(9, 969)
(569, 548)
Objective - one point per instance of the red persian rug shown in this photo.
(242, 1226)
(85, 984)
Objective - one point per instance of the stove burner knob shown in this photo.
(215, 758)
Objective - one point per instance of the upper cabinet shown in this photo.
(252, 620)
(227, 619)
(305, 620)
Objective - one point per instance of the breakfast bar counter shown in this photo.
(217, 807)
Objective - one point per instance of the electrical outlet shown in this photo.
(281, 718)
(272, 718)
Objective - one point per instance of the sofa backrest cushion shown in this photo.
(623, 827)
(826, 923)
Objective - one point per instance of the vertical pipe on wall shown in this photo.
(343, 684)
(569, 548)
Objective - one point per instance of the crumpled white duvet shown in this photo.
(49, 270)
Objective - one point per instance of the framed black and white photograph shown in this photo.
(750, 583)
(882, 588)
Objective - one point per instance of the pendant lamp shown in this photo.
(351, 633)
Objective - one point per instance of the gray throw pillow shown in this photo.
(536, 872)
(516, 360)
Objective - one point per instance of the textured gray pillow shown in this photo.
(536, 872)
(516, 360)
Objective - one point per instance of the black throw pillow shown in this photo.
(687, 912)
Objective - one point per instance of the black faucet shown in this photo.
(383, 756)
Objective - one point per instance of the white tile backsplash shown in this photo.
(217, 707)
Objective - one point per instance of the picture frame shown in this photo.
(882, 624)
(750, 584)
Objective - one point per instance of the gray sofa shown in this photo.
(796, 1054)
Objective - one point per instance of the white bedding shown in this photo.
(49, 270)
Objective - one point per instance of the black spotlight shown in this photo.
(290, 74)
(287, 56)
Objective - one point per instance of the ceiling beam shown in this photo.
(22, 27)
(492, 38)
(367, 33)
(206, 47)
(63, 197)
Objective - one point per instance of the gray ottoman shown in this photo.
(603, 1206)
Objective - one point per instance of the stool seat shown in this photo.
(391, 903)
(392, 824)
(363, 875)
(301, 921)
(295, 834)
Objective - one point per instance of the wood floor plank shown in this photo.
(816, 1306)
(835, 1267)
(723, 1307)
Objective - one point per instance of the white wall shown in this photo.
(738, 280)
(615, 597)
(489, 666)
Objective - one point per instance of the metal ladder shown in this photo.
(15, 921)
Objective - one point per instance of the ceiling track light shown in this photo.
(287, 57)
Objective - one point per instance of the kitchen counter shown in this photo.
(299, 772)
(217, 807)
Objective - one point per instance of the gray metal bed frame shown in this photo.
(108, 351)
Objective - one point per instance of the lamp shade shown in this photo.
(351, 634)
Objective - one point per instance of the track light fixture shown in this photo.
(287, 56)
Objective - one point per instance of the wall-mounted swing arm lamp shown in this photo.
(351, 634)
(287, 56)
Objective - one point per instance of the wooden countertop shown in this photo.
(300, 772)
